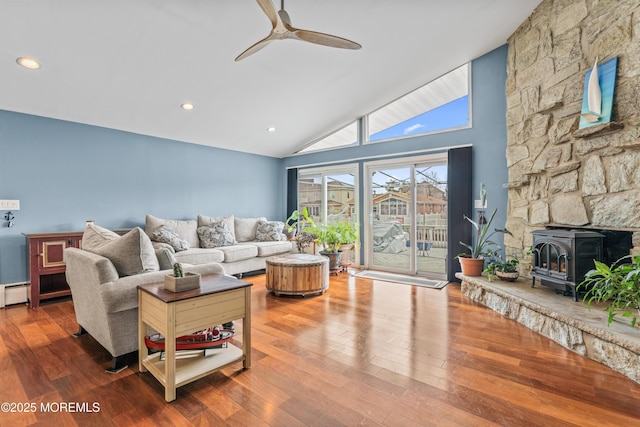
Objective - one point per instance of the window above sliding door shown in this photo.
(442, 104)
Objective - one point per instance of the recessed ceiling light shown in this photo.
(187, 106)
(271, 129)
(29, 63)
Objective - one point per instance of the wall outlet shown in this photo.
(9, 205)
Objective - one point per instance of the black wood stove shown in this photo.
(561, 258)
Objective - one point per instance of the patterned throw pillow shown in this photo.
(216, 235)
(170, 236)
(270, 231)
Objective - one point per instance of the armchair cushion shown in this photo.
(122, 294)
(165, 258)
(131, 254)
(95, 236)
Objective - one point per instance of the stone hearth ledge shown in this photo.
(559, 318)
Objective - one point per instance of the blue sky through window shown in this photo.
(451, 115)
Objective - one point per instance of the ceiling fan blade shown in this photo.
(269, 10)
(282, 29)
(256, 47)
(322, 38)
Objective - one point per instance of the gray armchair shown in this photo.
(106, 305)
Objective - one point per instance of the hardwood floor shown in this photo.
(365, 353)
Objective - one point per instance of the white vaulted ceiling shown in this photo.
(128, 65)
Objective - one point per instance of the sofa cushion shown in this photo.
(199, 256)
(166, 234)
(270, 248)
(215, 235)
(210, 220)
(246, 228)
(186, 229)
(238, 252)
(132, 253)
(95, 236)
(270, 231)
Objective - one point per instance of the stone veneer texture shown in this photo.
(561, 320)
(559, 174)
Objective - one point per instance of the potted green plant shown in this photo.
(618, 285)
(490, 271)
(503, 270)
(180, 280)
(348, 240)
(303, 240)
(329, 237)
(482, 246)
(297, 221)
(296, 229)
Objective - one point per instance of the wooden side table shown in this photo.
(45, 252)
(220, 299)
(46, 264)
(297, 274)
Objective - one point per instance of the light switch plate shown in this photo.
(477, 204)
(9, 205)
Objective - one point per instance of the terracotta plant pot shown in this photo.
(471, 266)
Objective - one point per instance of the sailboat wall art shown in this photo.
(599, 87)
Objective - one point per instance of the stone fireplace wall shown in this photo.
(558, 174)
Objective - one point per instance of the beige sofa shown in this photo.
(240, 245)
(104, 277)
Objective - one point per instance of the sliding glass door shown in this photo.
(391, 213)
(330, 195)
(407, 216)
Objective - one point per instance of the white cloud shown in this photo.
(410, 129)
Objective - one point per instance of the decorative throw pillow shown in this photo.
(269, 231)
(131, 254)
(95, 236)
(164, 234)
(216, 235)
(210, 220)
(185, 228)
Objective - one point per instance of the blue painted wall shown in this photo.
(487, 136)
(65, 173)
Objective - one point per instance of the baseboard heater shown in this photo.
(13, 293)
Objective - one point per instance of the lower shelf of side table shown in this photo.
(193, 368)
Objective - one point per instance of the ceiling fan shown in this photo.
(282, 29)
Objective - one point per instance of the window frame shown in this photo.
(367, 134)
(362, 123)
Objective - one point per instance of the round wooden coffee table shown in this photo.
(297, 274)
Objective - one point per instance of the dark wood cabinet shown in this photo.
(46, 264)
